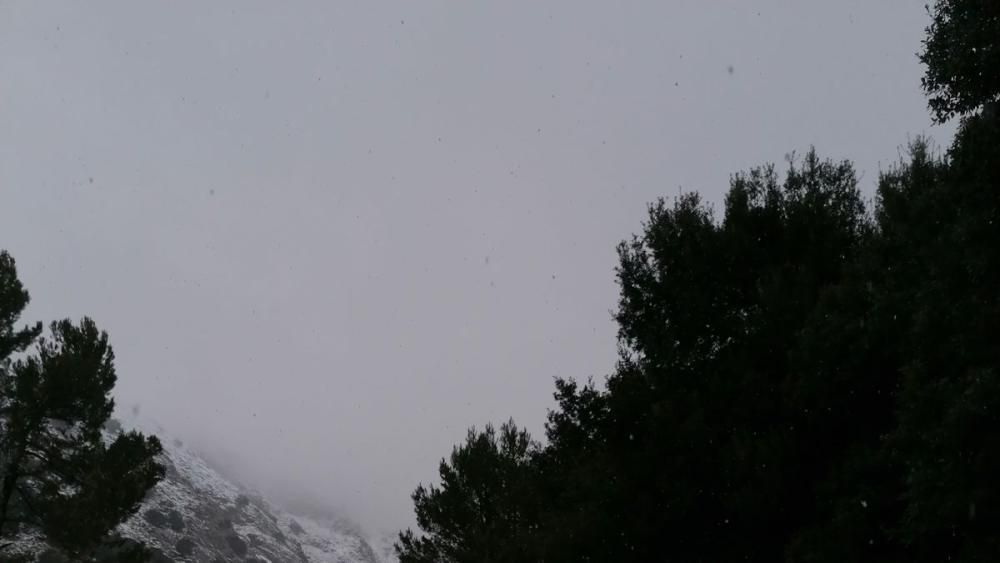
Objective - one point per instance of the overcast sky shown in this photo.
(327, 237)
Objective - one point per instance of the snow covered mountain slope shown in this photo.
(198, 515)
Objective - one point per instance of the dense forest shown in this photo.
(806, 378)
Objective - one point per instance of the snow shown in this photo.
(195, 489)
(198, 503)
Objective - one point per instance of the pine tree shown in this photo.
(61, 476)
(802, 380)
(482, 512)
(701, 430)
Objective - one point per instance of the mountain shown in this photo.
(199, 515)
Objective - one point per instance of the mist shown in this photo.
(327, 238)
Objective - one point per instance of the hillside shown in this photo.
(198, 515)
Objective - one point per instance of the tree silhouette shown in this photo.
(61, 476)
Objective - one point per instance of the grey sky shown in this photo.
(328, 237)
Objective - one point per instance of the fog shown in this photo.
(327, 237)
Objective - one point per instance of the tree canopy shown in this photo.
(483, 501)
(961, 56)
(804, 378)
(62, 478)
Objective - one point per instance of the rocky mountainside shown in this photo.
(196, 514)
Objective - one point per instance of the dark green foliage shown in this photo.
(60, 476)
(962, 54)
(112, 480)
(13, 299)
(802, 380)
(697, 430)
(483, 510)
(945, 234)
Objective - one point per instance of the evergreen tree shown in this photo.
(697, 432)
(801, 380)
(61, 476)
(483, 511)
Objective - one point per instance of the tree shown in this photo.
(61, 476)
(698, 434)
(13, 300)
(482, 512)
(941, 217)
(962, 54)
(803, 380)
